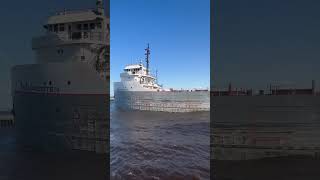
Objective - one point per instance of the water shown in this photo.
(17, 163)
(144, 145)
(157, 145)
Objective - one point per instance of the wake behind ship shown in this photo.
(61, 101)
(139, 90)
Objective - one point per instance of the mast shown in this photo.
(147, 58)
(100, 7)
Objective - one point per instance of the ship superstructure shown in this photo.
(136, 77)
(64, 95)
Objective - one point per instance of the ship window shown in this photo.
(50, 27)
(50, 83)
(61, 27)
(76, 35)
(55, 28)
(85, 26)
(83, 57)
(69, 82)
(60, 51)
(92, 26)
(79, 26)
(99, 26)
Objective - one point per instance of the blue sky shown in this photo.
(179, 35)
(260, 42)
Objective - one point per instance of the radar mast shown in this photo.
(147, 58)
(100, 7)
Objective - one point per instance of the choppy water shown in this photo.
(156, 145)
(18, 164)
(144, 145)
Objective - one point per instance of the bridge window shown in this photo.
(76, 35)
(60, 51)
(61, 27)
(50, 28)
(79, 26)
(85, 27)
(55, 28)
(99, 25)
(92, 26)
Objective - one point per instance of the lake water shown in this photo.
(157, 145)
(144, 145)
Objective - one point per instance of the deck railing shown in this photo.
(76, 11)
(84, 35)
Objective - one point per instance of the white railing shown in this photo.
(70, 37)
(68, 11)
(93, 36)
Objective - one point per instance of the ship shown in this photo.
(139, 90)
(61, 101)
(273, 122)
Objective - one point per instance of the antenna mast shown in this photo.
(100, 7)
(147, 58)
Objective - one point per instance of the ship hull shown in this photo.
(62, 122)
(61, 107)
(163, 101)
(254, 127)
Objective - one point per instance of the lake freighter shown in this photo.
(61, 101)
(139, 90)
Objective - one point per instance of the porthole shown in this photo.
(60, 51)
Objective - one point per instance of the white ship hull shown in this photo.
(131, 86)
(61, 106)
(164, 101)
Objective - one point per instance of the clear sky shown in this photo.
(260, 42)
(179, 35)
